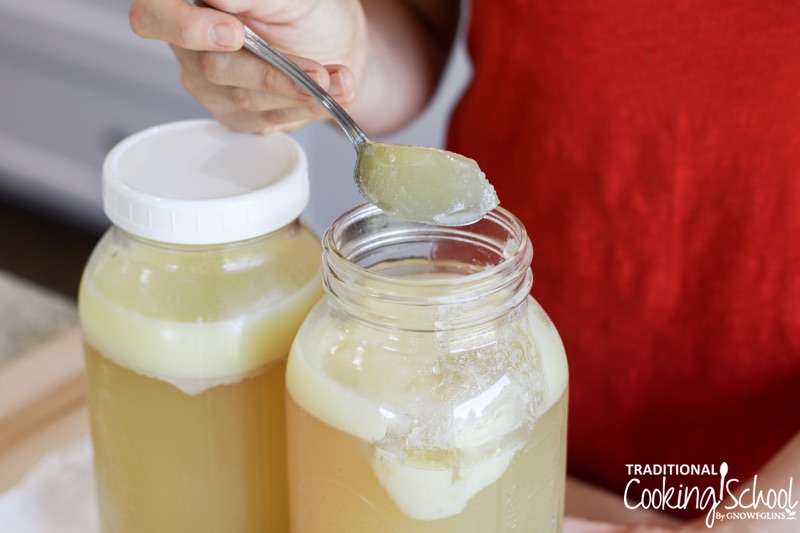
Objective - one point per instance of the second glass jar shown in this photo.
(189, 305)
(427, 392)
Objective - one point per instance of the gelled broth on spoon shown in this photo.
(423, 184)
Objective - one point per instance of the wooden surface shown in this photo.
(42, 405)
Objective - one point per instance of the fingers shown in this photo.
(245, 70)
(241, 90)
(342, 85)
(247, 94)
(187, 26)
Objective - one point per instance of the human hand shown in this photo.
(326, 39)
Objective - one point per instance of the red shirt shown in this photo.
(652, 150)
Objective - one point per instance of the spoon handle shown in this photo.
(262, 49)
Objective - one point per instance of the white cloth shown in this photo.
(57, 496)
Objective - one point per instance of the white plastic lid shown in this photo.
(197, 182)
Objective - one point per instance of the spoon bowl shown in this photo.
(416, 183)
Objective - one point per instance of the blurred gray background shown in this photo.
(74, 80)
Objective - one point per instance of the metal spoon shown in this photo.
(414, 183)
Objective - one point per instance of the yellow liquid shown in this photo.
(379, 442)
(335, 489)
(186, 357)
(172, 462)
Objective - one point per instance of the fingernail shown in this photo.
(314, 74)
(339, 85)
(224, 35)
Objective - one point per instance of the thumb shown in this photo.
(186, 26)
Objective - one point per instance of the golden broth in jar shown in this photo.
(188, 411)
(427, 392)
(188, 307)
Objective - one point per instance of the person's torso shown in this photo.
(652, 150)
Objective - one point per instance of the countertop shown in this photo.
(30, 315)
(42, 382)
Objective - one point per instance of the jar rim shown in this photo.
(521, 249)
(363, 244)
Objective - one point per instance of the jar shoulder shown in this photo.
(213, 282)
(365, 357)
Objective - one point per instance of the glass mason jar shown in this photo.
(188, 306)
(427, 391)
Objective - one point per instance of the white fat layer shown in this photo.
(193, 356)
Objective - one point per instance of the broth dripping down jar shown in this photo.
(188, 306)
(427, 391)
